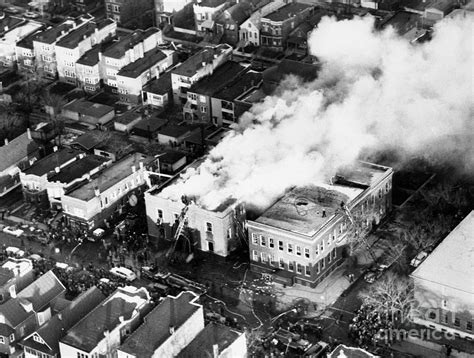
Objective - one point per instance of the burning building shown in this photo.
(190, 227)
(301, 238)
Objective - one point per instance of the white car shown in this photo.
(419, 259)
(12, 250)
(13, 231)
(124, 273)
(31, 15)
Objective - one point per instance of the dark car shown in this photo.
(374, 273)
(149, 271)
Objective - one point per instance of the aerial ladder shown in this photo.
(182, 224)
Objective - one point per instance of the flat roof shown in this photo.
(218, 79)
(287, 11)
(87, 108)
(451, 263)
(191, 65)
(110, 176)
(149, 59)
(78, 168)
(239, 86)
(51, 161)
(49, 36)
(160, 85)
(21, 31)
(118, 49)
(128, 117)
(72, 39)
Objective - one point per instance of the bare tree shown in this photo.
(53, 105)
(11, 123)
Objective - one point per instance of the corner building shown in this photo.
(304, 235)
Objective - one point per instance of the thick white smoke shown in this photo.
(374, 90)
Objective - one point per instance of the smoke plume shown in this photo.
(374, 90)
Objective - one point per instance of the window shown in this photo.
(334, 234)
(298, 250)
(116, 8)
(263, 240)
(329, 258)
(457, 322)
(321, 246)
(334, 253)
(291, 266)
(82, 355)
(282, 263)
(229, 233)
(2, 340)
(318, 267)
(271, 259)
(208, 227)
(307, 271)
(432, 315)
(299, 268)
(254, 239)
(290, 248)
(316, 252)
(323, 263)
(444, 303)
(306, 252)
(263, 257)
(469, 325)
(254, 255)
(271, 243)
(445, 318)
(203, 109)
(280, 245)
(12, 337)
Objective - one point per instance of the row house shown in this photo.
(26, 311)
(443, 284)
(132, 78)
(71, 47)
(123, 10)
(25, 54)
(44, 48)
(17, 155)
(229, 21)
(158, 93)
(304, 236)
(12, 37)
(34, 180)
(106, 326)
(44, 342)
(126, 50)
(198, 106)
(195, 68)
(249, 31)
(276, 26)
(15, 275)
(218, 231)
(206, 12)
(91, 204)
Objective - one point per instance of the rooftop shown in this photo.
(238, 87)
(342, 351)
(49, 36)
(149, 59)
(50, 162)
(18, 32)
(150, 124)
(171, 156)
(204, 342)
(87, 108)
(110, 176)
(451, 264)
(78, 169)
(91, 57)
(306, 71)
(72, 39)
(89, 331)
(287, 11)
(211, 3)
(16, 150)
(218, 79)
(7, 23)
(128, 117)
(176, 130)
(272, 6)
(117, 49)
(27, 42)
(403, 21)
(160, 85)
(155, 330)
(240, 12)
(194, 63)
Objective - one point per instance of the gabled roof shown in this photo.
(343, 351)
(16, 150)
(171, 312)
(58, 325)
(238, 12)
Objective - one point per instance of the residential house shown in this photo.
(88, 112)
(85, 6)
(167, 329)
(132, 78)
(44, 342)
(148, 128)
(123, 10)
(93, 203)
(249, 31)
(303, 236)
(34, 179)
(198, 106)
(73, 175)
(276, 26)
(171, 161)
(196, 67)
(158, 92)
(76, 43)
(206, 12)
(15, 275)
(109, 144)
(126, 121)
(225, 104)
(90, 72)
(10, 38)
(17, 155)
(443, 291)
(105, 327)
(216, 340)
(126, 50)
(175, 134)
(165, 9)
(218, 231)
(23, 314)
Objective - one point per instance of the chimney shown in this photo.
(203, 63)
(5, 28)
(134, 169)
(121, 319)
(56, 169)
(141, 165)
(12, 290)
(97, 191)
(6, 141)
(55, 148)
(171, 330)
(60, 316)
(28, 133)
(215, 350)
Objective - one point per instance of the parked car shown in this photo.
(12, 231)
(96, 234)
(418, 259)
(31, 15)
(124, 273)
(14, 251)
(374, 273)
(149, 271)
(11, 10)
(63, 266)
(35, 258)
(317, 350)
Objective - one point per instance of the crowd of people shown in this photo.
(369, 326)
